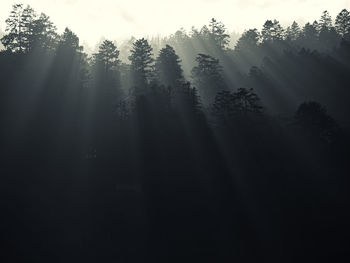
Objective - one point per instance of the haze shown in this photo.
(117, 19)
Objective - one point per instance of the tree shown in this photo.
(229, 105)
(329, 38)
(309, 35)
(12, 40)
(108, 55)
(70, 41)
(208, 77)
(247, 101)
(17, 29)
(70, 57)
(141, 62)
(218, 34)
(249, 40)
(310, 31)
(278, 30)
(293, 32)
(27, 31)
(194, 32)
(224, 106)
(42, 33)
(179, 38)
(168, 68)
(342, 23)
(267, 31)
(313, 117)
(191, 99)
(28, 18)
(106, 84)
(325, 21)
(272, 31)
(327, 33)
(204, 33)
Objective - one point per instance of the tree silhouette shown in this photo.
(108, 55)
(71, 58)
(224, 106)
(71, 123)
(313, 117)
(249, 40)
(26, 31)
(208, 77)
(327, 33)
(325, 22)
(293, 32)
(141, 62)
(230, 105)
(204, 33)
(342, 23)
(272, 31)
(191, 98)
(168, 68)
(42, 34)
(218, 34)
(13, 39)
(247, 101)
(70, 41)
(309, 36)
(17, 28)
(179, 38)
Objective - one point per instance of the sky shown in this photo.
(120, 19)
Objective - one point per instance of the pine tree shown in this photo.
(17, 30)
(190, 99)
(278, 30)
(106, 76)
(316, 26)
(208, 77)
(204, 32)
(108, 55)
(249, 40)
(293, 32)
(217, 31)
(309, 35)
(179, 39)
(313, 118)
(26, 31)
(168, 68)
(325, 22)
(241, 103)
(42, 34)
(342, 23)
(224, 106)
(70, 41)
(310, 31)
(247, 101)
(272, 31)
(141, 62)
(28, 17)
(328, 36)
(13, 39)
(70, 56)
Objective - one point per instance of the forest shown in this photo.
(183, 149)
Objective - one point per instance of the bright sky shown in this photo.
(117, 19)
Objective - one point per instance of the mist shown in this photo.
(118, 20)
(155, 131)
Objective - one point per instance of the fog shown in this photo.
(178, 144)
(117, 19)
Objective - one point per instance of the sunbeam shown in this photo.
(149, 131)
